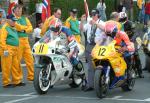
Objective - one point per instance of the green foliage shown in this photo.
(39, 1)
(31, 6)
(66, 5)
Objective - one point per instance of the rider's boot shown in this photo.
(117, 81)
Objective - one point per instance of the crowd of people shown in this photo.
(15, 30)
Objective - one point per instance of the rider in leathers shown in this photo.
(71, 44)
(129, 28)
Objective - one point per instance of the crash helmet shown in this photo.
(111, 29)
(56, 26)
(123, 17)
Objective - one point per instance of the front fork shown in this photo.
(107, 75)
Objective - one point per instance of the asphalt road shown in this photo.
(65, 94)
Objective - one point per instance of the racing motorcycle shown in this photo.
(106, 60)
(52, 64)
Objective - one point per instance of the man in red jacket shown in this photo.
(147, 12)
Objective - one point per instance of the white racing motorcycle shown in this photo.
(52, 65)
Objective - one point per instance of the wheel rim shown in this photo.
(77, 76)
(77, 80)
(43, 82)
(131, 79)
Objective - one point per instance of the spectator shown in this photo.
(147, 12)
(101, 7)
(37, 31)
(93, 36)
(9, 43)
(121, 7)
(24, 28)
(114, 17)
(73, 23)
(140, 4)
(3, 11)
(129, 8)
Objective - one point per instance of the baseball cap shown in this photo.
(94, 12)
(74, 10)
(12, 17)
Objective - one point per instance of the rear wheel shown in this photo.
(76, 82)
(100, 86)
(77, 76)
(130, 80)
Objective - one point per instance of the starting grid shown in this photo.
(33, 95)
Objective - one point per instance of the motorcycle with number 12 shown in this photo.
(108, 62)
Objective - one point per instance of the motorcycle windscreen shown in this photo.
(48, 43)
(104, 48)
(41, 47)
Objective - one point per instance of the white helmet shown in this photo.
(122, 15)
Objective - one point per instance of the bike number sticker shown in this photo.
(102, 52)
(42, 49)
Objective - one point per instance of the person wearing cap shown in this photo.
(73, 23)
(94, 34)
(9, 43)
(24, 28)
(51, 20)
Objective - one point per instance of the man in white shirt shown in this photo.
(94, 34)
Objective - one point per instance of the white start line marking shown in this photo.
(22, 99)
(33, 95)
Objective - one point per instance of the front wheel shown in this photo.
(99, 83)
(41, 79)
